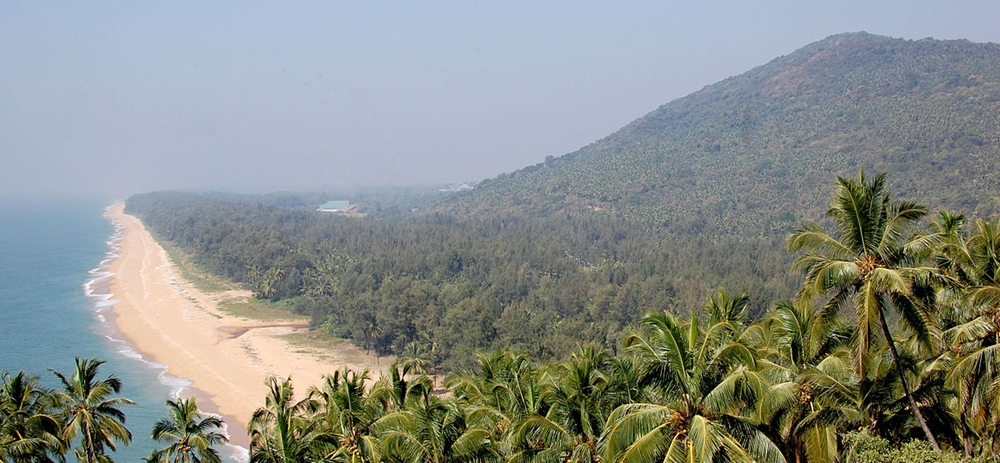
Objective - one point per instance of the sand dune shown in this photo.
(226, 358)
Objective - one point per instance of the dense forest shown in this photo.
(535, 284)
(887, 353)
(750, 155)
(696, 195)
(592, 307)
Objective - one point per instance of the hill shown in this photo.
(755, 154)
(694, 197)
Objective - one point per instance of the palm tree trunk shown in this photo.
(88, 443)
(967, 444)
(902, 380)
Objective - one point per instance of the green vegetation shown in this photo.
(536, 284)
(191, 437)
(886, 354)
(563, 301)
(750, 155)
(865, 448)
(89, 412)
(85, 416)
(30, 428)
(202, 279)
(694, 196)
(255, 309)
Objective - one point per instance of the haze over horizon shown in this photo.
(114, 99)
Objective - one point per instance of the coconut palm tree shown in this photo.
(416, 357)
(191, 436)
(347, 413)
(577, 403)
(972, 358)
(28, 431)
(372, 331)
(702, 389)
(282, 431)
(422, 357)
(504, 389)
(432, 430)
(393, 391)
(89, 412)
(812, 387)
(871, 265)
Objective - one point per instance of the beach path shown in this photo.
(227, 358)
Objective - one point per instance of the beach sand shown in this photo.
(226, 358)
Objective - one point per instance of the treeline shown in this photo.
(886, 354)
(533, 283)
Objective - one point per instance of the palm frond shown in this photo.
(812, 236)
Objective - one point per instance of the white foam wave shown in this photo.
(100, 299)
(176, 384)
(128, 352)
(238, 453)
(103, 301)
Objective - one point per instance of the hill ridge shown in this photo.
(771, 139)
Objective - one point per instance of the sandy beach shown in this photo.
(227, 358)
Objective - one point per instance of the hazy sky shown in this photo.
(114, 98)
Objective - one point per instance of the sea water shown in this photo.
(54, 306)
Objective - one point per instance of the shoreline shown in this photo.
(98, 287)
(224, 359)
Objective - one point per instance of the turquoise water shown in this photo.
(54, 306)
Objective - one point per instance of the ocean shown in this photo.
(54, 306)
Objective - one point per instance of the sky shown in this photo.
(112, 98)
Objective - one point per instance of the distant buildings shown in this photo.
(454, 188)
(334, 206)
(340, 207)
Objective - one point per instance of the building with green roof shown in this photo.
(334, 206)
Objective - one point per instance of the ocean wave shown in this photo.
(238, 453)
(106, 304)
(97, 288)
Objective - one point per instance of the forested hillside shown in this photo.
(886, 354)
(535, 284)
(696, 195)
(751, 155)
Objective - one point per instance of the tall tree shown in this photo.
(500, 392)
(871, 265)
(973, 340)
(702, 389)
(347, 413)
(192, 437)
(282, 431)
(811, 383)
(90, 412)
(578, 404)
(28, 431)
(432, 430)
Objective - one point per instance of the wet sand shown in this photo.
(226, 358)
